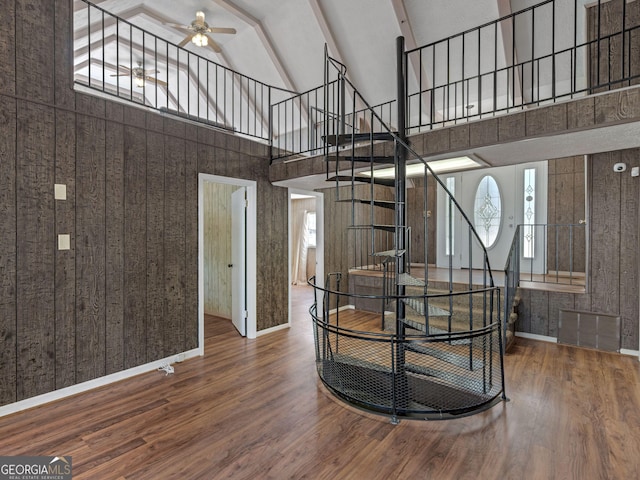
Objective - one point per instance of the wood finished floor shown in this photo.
(254, 409)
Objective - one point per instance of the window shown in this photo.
(311, 229)
(449, 235)
(487, 210)
(529, 210)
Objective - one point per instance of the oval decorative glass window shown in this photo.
(487, 211)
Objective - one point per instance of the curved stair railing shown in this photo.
(439, 352)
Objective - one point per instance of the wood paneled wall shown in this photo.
(612, 282)
(126, 292)
(615, 63)
(217, 248)
(566, 205)
(416, 219)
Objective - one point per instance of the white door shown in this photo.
(491, 208)
(494, 209)
(238, 259)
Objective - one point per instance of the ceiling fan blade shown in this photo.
(156, 81)
(214, 46)
(222, 30)
(186, 40)
(121, 74)
(177, 25)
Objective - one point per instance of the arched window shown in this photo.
(487, 210)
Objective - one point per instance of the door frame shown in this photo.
(465, 195)
(319, 240)
(251, 251)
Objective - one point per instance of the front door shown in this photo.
(495, 200)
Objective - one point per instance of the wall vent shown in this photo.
(587, 329)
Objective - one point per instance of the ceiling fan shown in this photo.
(200, 28)
(139, 74)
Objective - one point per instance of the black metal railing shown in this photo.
(114, 56)
(444, 375)
(299, 122)
(546, 254)
(551, 51)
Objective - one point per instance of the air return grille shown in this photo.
(587, 329)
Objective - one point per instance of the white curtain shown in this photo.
(301, 247)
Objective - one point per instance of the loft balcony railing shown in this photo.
(299, 122)
(552, 51)
(113, 56)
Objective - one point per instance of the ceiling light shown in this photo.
(139, 81)
(200, 40)
(438, 166)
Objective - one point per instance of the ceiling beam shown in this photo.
(506, 27)
(422, 80)
(330, 40)
(327, 33)
(264, 37)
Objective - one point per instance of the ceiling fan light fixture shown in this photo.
(200, 40)
(139, 81)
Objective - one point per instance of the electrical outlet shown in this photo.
(180, 358)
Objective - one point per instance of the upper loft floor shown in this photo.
(544, 70)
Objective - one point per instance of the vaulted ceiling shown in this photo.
(282, 42)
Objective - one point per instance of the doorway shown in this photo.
(227, 252)
(496, 200)
(306, 244)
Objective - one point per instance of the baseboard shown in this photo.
(533, 336)
(272, 329)
(544, 338)
(95, 383)
(633, 353)
(344, 307)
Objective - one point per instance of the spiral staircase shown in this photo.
(439, 353)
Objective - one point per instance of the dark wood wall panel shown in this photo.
(8, 333)
(63, 51)
(90, 246)
(8, 47)
(272, 252)
(35, 54)
(629, 251)
(416, 219)
(35, 238)
(614, 214)
(65, 260)
(114, 268)
(191, 245)
(605, 226)
(155, 244)
(135, 239)
(174, 244)
(565, 206)
(613, 65)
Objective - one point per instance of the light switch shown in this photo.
(60, 191)
(64, 241)
(635, 171)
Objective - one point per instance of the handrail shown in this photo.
(495, 67)
(428, 168)
(168, 77)
(559, 256)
